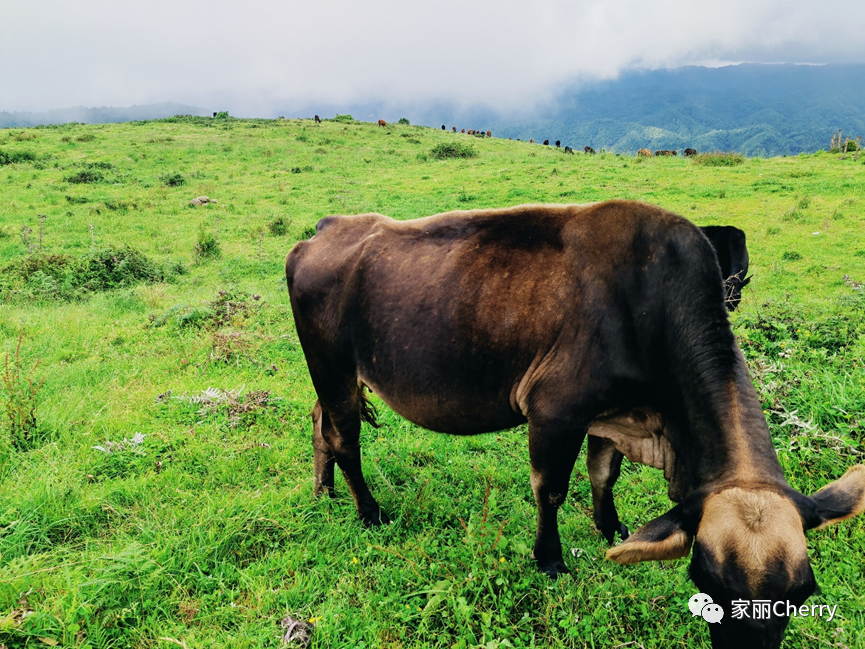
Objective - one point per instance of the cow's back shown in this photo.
(485, 304)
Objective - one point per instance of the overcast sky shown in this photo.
(255, 57)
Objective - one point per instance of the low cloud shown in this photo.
(258, 57)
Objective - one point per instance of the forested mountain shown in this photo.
(759, 110)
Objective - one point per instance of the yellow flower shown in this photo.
(354, 560)
(501, 560)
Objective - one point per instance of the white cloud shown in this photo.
(256, 56)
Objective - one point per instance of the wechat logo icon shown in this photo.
(702, 605)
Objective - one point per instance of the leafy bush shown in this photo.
(109, 268)
(85, 176)
(15, 157)
(719, 159)
(403, 120)
(308, 233)
(223, 114)
(791, 255)
(278, 226)
(173, 179)
(207, 246)
(86, 137)
(453, 150)
(343, 118)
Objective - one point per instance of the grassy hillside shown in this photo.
(138, 508)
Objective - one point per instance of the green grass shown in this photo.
(207, 534)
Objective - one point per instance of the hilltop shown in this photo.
(161, 493)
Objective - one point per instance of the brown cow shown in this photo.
(665, 153)
(455, 129)
(489, 133)
(588, 149)
(381, 122)
(605, 319)
(463, 131)
(471, 131)
(690, 153)
(644, 153)
(531, 141)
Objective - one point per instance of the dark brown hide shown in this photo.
(606, 319)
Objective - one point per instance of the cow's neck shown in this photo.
(724, 440)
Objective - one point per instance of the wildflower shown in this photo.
(354, 560)
(501, 559)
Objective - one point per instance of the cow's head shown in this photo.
(749, 544)
(733, 286)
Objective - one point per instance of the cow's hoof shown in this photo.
(553, 568)
(321, 490)
(374, 519)
(624, 532)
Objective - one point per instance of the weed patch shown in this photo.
(20, 392)
(718, 159)
(16, 157)
(453, 150)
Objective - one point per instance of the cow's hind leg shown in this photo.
(604, 463)
(339, 431)
(323, 458)
(553, 449)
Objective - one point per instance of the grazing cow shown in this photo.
(569, 150)
(588, 149)
(471, 131)
(455, 129)
(690, 153)
(558, 144)
(729, 245)
(604, 320)
(644, 153)
(443, 127)
(381, 122)
(214, 114)
(317, 119)
(489, 133)
(531, 141)
(546, 142)
(463, 131)
(665, 153)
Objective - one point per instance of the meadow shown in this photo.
(155, 438)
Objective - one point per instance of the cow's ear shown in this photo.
(664, 538)
(747, 280)
(841, 499)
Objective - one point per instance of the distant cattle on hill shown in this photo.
(443, 127)
(455, 129)
(666, 152)
(317, 119)
(546, 142)
(558, 144)
(489, 133)
(471, 131)
(588, 149)
(531, 141)
(463, 131)
(690, 153)
(644, 153)
(381, 122)
(569, 150)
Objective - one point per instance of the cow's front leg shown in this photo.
(604, 463)
(342, 436)
(553, 450)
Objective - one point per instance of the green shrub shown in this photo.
(404, 121)
(791, 255)
(223, 114)
(109, 268)
(278, 226)
(343, 118)
(308, 233)
(86, 137)
(719, 159)
(85, 176)
(453, 150)
(173, 179)
(15, 157)
(207, 246)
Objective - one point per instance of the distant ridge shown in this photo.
(754, 109)
(100, 115)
